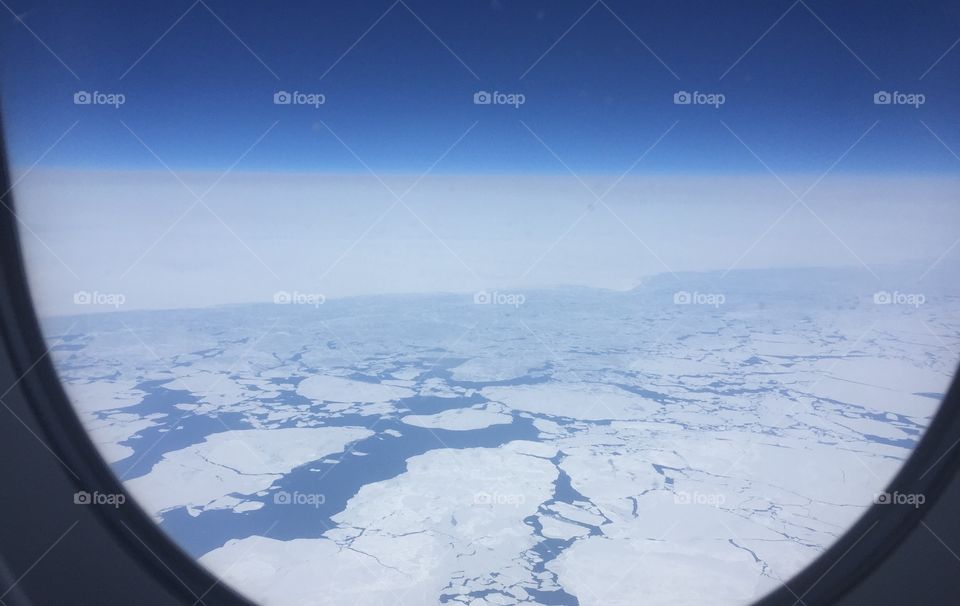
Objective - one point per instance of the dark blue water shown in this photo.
(385, 457)
(430, 405)
(548, 549)
(177, 430)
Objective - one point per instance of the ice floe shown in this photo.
(234, 462)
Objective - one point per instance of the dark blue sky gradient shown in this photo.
(199, 98)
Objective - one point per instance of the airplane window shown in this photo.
(579, 303)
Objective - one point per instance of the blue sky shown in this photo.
(402, 95)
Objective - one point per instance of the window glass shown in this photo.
(496, 302)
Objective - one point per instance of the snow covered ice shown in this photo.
(586, 447)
